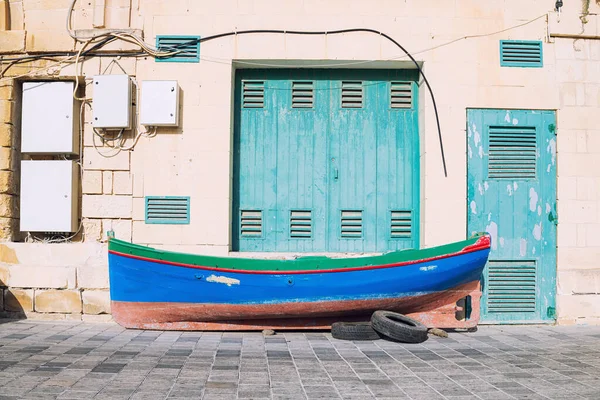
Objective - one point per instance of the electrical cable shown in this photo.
(368, 30)
(108, 37)
(70, 53)
(111, 139)
(340, 31)
(42, 56)
(334, 32)
(71, 7)
(352, 63)
(228, 60)
(117, 33)
(148, 134)
(31, 73)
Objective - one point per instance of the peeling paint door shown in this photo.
(512, 195)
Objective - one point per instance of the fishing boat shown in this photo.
(156, 289)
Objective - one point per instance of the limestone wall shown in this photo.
(8, 162)
(578, 147)
(62, 281)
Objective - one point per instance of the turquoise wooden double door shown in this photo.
(512, 195)
(325, 160)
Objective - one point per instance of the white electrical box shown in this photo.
(111, 102)
(159, 103)
(49, 118)
(49, 196)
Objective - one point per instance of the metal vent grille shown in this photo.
(512, 152)
(352, 94)
(251, 223)
(352, 224)
(516, 53)
(253, 94)
(401, 225)
(300, 224)
(167, 210)
(401, 95)
(188, 48)
(302, 94)
(511, 286)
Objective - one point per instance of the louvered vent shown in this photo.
(352, 94)
(401, 95)
(511, 286)
(300, 224)
(167, 210)
(302, 94)
(512, 152)
(251, 223)
(188, 48)
(401, 226)
(515, 53)
(253, 94)
(352, 224)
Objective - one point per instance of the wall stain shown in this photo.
(8, 255)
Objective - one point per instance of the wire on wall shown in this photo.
(13, 60)
(351, 30)
(90, 46)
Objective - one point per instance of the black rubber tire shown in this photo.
(398, 327)
(354, 331)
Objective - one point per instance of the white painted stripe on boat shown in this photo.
(223, 279)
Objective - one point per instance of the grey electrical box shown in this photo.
(49, 200)
(111, 102)
(159, 103)
(49, 118)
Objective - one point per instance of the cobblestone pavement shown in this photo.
(103, 361)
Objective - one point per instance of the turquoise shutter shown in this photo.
(328, 159)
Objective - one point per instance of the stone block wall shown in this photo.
(67, 282)
(578, 148)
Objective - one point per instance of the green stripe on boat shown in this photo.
(300, 263)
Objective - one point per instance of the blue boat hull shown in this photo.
(134, 280)
(151, 293)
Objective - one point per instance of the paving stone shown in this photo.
(16, 336)
(76, 395)
(78, 360)
(254, 394)
(108, 368)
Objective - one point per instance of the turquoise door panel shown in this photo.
(352, 160)
(300, 134)
(325, 160)
(512, 195)
(398, 176)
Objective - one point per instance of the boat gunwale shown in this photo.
(482, 242)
